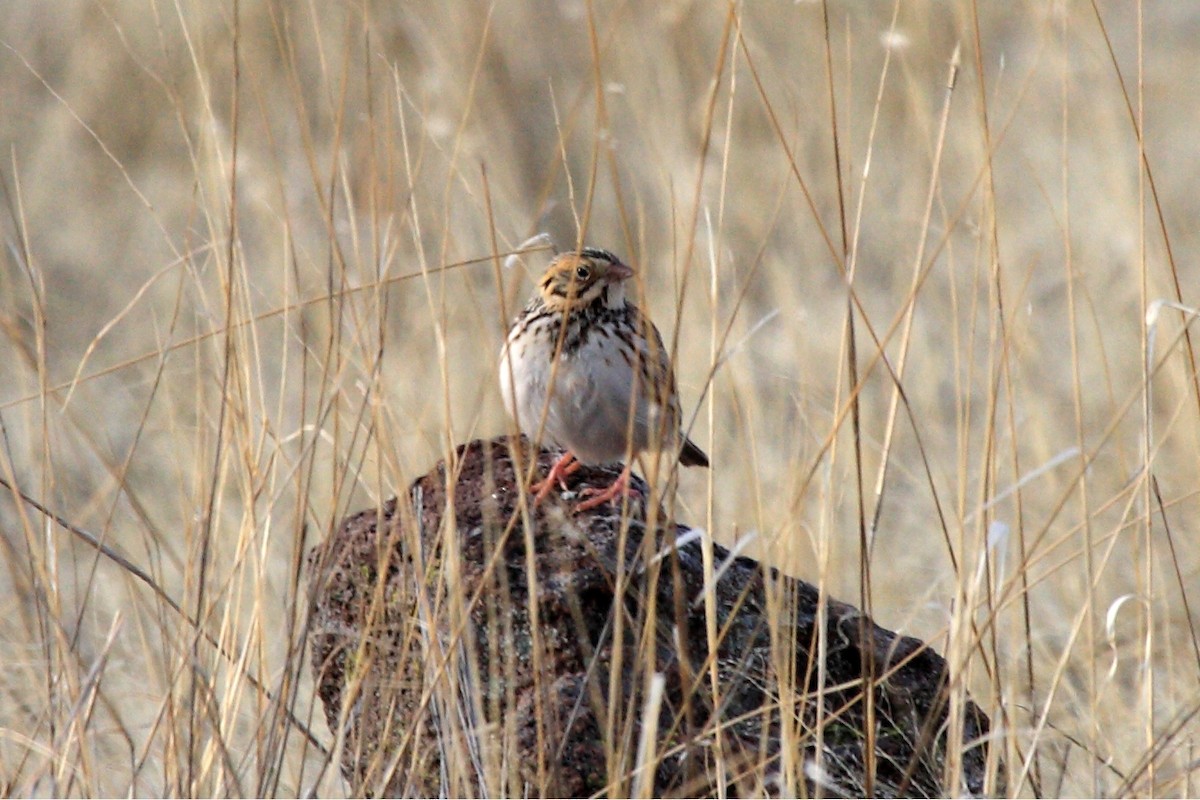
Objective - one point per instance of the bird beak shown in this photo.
(619, 272)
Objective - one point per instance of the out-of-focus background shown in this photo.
(255, 276)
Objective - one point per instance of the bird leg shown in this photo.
(601, 496)
(564, 466)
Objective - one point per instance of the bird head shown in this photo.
(579, 279)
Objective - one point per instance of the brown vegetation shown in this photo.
(253, 276)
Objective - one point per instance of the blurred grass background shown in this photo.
(248, 285)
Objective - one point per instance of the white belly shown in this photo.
(587, 409)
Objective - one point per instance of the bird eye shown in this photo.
(583, 273)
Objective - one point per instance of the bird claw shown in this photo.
(619, 488)
(542, 488)
(567, 465)
(564, 466)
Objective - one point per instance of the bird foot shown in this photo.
(565, 465)
(598, 497)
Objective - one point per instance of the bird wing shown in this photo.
(657, 376)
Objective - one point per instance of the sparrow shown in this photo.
(584, 368)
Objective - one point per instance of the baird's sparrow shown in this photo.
(585, 369)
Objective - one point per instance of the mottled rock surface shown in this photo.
(429, 662)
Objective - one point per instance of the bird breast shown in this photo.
(586, 395)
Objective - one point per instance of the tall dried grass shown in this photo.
(252, 280)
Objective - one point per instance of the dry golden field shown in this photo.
(255, 276)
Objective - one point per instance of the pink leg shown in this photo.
(564, 466)
(601, 496)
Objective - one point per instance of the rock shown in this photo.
(430, 665)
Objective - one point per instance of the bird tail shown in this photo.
(692, 456)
